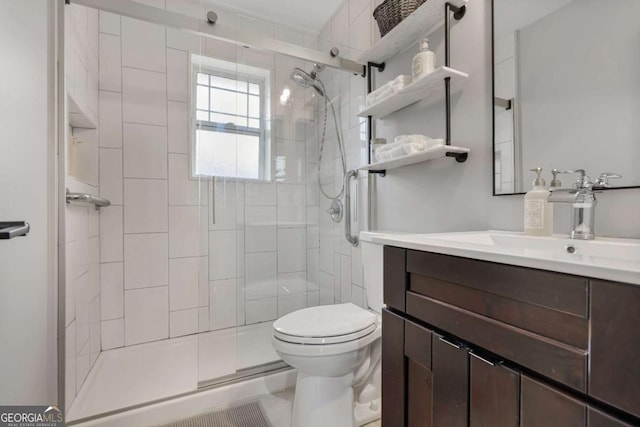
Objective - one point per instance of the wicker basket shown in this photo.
(391, 12)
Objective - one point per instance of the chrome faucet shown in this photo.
(583, 200)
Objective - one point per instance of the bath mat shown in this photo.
(249, 415)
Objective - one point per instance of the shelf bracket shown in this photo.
(460, 157)
(382, 172)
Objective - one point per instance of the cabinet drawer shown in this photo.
(560, 292)
(560, 326)
(558, 361)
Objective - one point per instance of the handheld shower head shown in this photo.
(304, 79)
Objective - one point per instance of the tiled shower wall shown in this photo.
(82, 234)
(351, 30)
(167, 268)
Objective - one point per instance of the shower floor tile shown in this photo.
(135, 375)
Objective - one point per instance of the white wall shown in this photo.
(28, 321)
(446, 196)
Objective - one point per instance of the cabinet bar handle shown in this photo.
(448, 342)
(482, 359)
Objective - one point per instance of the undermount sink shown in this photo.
(606, 258)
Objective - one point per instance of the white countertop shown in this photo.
(603, 258)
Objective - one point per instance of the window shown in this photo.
(229, 130)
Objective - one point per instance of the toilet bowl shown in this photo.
(336, 350)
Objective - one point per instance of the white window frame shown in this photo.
(226, 69)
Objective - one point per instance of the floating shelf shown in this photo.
(429, 87)
(459, 153)
(422, 21)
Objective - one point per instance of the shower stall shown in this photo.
(222, 144)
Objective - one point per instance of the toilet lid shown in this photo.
(326, 321)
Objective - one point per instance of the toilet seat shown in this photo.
(330, 324)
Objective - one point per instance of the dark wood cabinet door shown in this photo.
(450, 367)
(615, 345)
(395, 277)
(544, 406)
(495, 394)
(393, 370)
(597, 418)
(419, 395)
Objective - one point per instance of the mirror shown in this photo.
(566, 90)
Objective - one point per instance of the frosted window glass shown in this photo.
(202, 98)
(202, 115)
(203, 79)
(254, 89)
(227, 118)
(254, 123)
(227, 155)
(223, 101)
(254, 106)
(225, 83)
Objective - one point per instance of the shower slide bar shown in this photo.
(98, 202)
(207, 27)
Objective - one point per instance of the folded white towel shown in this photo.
(388, 89)
(386, 155)
(417, 146)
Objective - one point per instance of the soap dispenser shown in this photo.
(424, 62)
(538, 213)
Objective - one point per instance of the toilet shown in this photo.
(336, 350)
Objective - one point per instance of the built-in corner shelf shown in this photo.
(422, 21)
(430, 88)
(459, 153)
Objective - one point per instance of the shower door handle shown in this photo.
(347, 208)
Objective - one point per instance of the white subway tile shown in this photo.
(111, 290)
(110, 63)
(261, 275)
(222, 254)
(177, 75)
(146, 262)
(184, 190)
(292, 249)
(184, 283)
(110, 119)
(143, 45)
(111, 230)
(178, 39)
(109, 23)
(261, 310)
(146, 315)
(222, 304)
(145, 206)
(290, 303)
(112, 334)
(260, 194)
(144, 96)
(187, 231)
(178, 123)
(111, 175)
(345, 278)
(183, 322)
(145, 151)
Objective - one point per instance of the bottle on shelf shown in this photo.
(538, 213)
(424, 62)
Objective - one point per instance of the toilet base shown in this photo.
(323, 401)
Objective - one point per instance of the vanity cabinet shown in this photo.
(480, 344)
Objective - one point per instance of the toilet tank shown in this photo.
(373, 264)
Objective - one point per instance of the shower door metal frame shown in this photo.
(202, 27)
